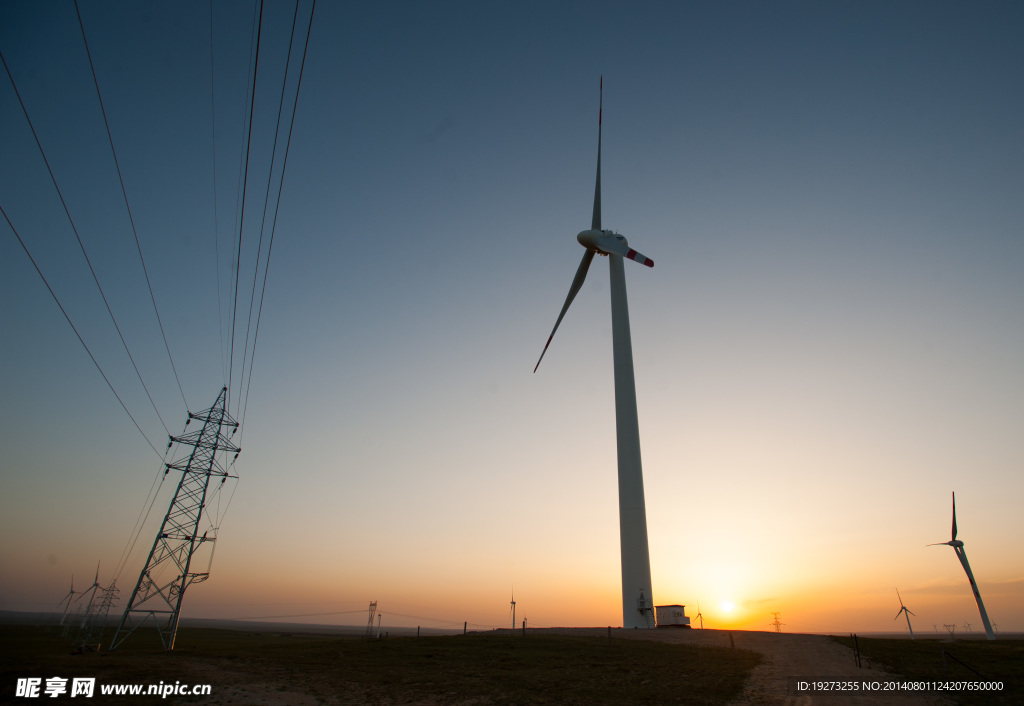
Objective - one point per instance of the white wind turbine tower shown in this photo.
(637, 599)
(906, 613)
(958, 547)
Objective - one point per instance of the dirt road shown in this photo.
(790, 658)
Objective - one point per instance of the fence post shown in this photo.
(464, 627)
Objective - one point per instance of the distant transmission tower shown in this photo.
(79, 618)
(95, 622)
(369, 623)
(168, 570)
(776, 623)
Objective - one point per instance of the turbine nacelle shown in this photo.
(593, 239)
(608, 242)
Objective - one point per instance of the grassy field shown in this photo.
(943, 661)
(481, 668)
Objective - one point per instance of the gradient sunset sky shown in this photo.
(831, 340)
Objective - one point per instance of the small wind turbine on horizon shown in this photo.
(906, 613)
(958, 547)
(513, 609)
(699, 616)
(637, 599)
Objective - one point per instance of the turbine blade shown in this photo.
(595, 222)
(954, 516)
(577, 283)
(909, 611)
(899, 614)
(900, 597)
(611, 244)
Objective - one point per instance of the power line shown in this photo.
(72, 325)
(216, 222)
(80, 243)
(301, 615)
(280, 187)
(140, 521)
(241, 223)
(266, 200)
(249, 86)
(124, 193)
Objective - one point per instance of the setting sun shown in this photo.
(727, 606)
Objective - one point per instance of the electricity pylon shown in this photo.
(369, 623)
(777, 624)
(95, 622)
(168, 571)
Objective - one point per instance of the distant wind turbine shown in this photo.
(66, 601)
(92, 597)
(906, 613)
(513, 610)
(958, 547)
(637, 598)
(699, 616)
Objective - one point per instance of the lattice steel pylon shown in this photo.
(95, 621)
(369, 623)
(168, 571)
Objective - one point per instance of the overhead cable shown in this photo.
(266, 201)
(241, 222)
(273, 227)
(124, 193)
(80, 243)
(72, 325)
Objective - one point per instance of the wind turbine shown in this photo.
(513, 609)
(92, 596)
(67, 599)
(637, 600)
(906, 613)
(699, 616)
(958, 547)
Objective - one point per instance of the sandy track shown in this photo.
(787, 658)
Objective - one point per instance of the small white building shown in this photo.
(671, 616)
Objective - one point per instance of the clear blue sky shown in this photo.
(829, 343)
